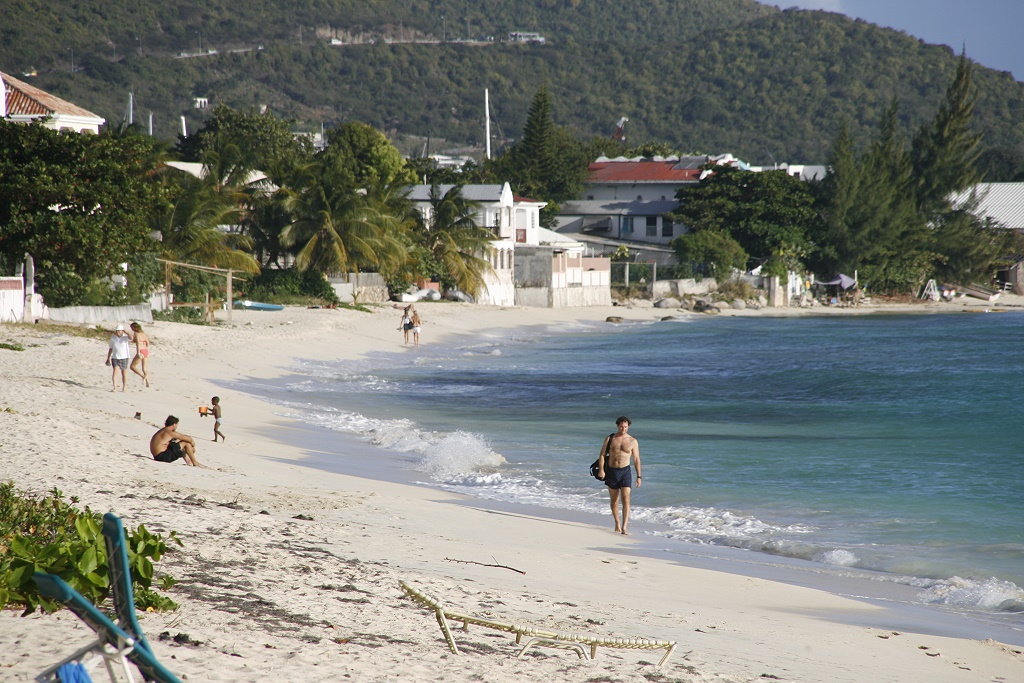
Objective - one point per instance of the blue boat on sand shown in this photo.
(257, 306)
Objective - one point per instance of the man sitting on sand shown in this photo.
(168, 444)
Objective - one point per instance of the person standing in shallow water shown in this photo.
(406, 325)
(623, 450)
(416, 325)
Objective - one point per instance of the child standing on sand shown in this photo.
(217, 421)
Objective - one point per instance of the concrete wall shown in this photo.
(93, 315)
(545, 282)
(573, 297)
(537, 297)
(370, 287)
(533, 267)
(678, 288)
(12, 299)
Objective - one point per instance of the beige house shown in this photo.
(24, 103)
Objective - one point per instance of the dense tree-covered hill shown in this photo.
(703, 75)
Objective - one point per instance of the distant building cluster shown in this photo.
(524, 37)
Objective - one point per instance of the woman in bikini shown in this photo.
(141, 352)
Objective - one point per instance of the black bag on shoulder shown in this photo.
(594, 468)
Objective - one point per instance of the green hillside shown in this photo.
(703, 75)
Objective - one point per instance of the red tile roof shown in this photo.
(643, 172)
(25, 99)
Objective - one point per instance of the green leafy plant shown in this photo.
(50, 535)
(12, 346)
(182, 314)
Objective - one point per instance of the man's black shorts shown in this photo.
(618, 477)
(172, 453)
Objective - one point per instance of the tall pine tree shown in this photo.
(963, 246)
(946, 150)
(548, 163)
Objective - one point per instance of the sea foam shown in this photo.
(446, 457)
(994, 594)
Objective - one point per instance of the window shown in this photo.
(627, 224)
(666, 226)
(652, 226)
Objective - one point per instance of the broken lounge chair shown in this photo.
(537, 637)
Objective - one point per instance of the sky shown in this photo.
(991, 30)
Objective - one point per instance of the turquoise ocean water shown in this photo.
(886, 447)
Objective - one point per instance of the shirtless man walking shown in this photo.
(622, 451)
(168, 444)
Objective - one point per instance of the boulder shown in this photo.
(761, 300)
(668, 317)
(613, 319)
(739, 304)
(667, 302)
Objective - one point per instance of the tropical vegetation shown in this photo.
(258, 200)
(704, 76)
(887, 210)
(49, 534)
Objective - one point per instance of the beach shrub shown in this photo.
(51, 535)
(182, 314)
(290, 286)
(12, 346)
(734, 289)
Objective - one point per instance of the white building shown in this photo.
(531, 266)
(24, 103)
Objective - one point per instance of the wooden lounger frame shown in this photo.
(537, 637)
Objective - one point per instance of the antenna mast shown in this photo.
(487, 121)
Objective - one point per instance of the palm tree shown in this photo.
(454, 240)
(338, 228)
(196, 226)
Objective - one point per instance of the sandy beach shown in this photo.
(291, 573)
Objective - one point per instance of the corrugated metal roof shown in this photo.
(1002, 202)
(476, 193)
(686, 170)
(28, 100)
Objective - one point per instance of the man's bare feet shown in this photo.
(625, 533)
